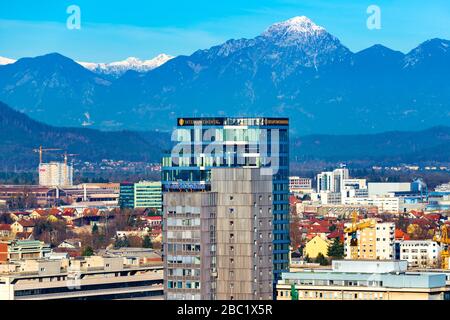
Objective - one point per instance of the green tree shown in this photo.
(321, 260)
(121, 242)
(147, 242)
(94, 229)
(87, 252)
(336, 250)
(294, 292)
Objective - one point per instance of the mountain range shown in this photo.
(294, 68)
(118, 68)
(20, 135)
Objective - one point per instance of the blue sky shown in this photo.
(114, 30)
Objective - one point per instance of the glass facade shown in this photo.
(201, 144)
(148, 195)
(144, 194)
(126, 196)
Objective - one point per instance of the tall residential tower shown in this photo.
(202, 144)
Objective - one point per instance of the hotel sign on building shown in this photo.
(232, 121)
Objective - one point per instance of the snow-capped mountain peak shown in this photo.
(132, 63)
(4, 61)
(299, 26)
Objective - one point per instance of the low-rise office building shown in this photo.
(90, 278)
(363, 280)
(15, 250)
(144, 194)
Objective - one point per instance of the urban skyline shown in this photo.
(253, 152)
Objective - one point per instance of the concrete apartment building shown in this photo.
(299, 185)
(218, 244)
(55, 174)
(364, 280)
(90, 278)
(376, 243)
(418, 253)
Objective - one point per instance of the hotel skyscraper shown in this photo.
(202, 144)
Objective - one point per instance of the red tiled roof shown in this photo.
(400, 235)
(21, 213)
(318, 229)
(91, 212)
(69, 212)
(293, 200)
(5, 227)
(335, 234)
(54, 211)
(27, 223)
(154, 218)
(431, 216)
(23, 235)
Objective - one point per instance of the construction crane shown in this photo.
(67, 155)
(41, 151)
(444, 241)
(352, 232)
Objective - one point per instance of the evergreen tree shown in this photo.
(336, 250)
(321, 260)
(94, 228)
(87, 252)
(147, 242)
(121, 243)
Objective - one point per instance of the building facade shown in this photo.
(418, 253)
(298, 184)
(15, 250)
(89, 278)
(206, 143)
(55, 174)
(218, 244)
(144, 194)
(332, 181)
(126, 195)
(148, 194)
(364, 280)
(376, 243)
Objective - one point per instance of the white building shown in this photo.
(377, 243)
(418, 253)
(383, 188)
(326, 197)
(354, 188)
(298, 184)
(332, 181)
(55, 174)
(386, 204)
